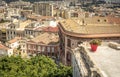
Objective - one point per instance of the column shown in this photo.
(65, 57)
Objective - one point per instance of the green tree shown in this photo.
(39, 66)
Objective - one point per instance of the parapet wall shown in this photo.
(83, 60)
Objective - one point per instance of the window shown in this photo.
(68, 57)
(69, 43)
(23, 51)
(14, 32)
(48, 49)
(43, 49)
(52, 49)
(52, 54)
(80, 42)
(29, 47)
(8, 32)
(39, 48)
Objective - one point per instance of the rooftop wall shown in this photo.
(83, 65)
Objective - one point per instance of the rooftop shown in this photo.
(107, 59)
(92, 25)
(46, 39)
(14, 40)
(3, 47)
(39, 18)
(23, 24)
(50, 29)
(4, 25)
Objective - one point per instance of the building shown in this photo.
(23, 49)
(43, 8)
(5, 51)
(12, 13)
(112, 1)
(16, 29)
(19, 4)
(75, 31)
(44, 44)
(18, 45)
(102, 63)
(36, 28)
(3, 31)
(11, 31)
(14, 43)
(2, 10)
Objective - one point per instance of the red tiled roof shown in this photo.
(14, 40)
(113, 20)
(40, 18)
(50, 29)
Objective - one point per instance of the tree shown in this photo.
(39, 66)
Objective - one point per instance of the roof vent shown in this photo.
(105, 20)
(98, 20)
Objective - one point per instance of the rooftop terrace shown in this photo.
(105, 61)
(108, 60)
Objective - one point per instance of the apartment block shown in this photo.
(43, 8)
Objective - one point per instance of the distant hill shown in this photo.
(8, 1)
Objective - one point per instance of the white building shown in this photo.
(12, 12)
(14, 43)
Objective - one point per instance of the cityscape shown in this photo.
(59, 38)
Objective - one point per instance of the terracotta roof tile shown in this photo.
(93, 25)
(46, 39)
(14, 40)
(50, 29)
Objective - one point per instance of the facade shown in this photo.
(16, 29)
(23, 46)
(11, 31)
(75, 31)
(3, 35)
(44, 44)
(3, 31)
(18, 45)
(43, 8)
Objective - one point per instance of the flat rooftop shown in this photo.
(107, 59)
